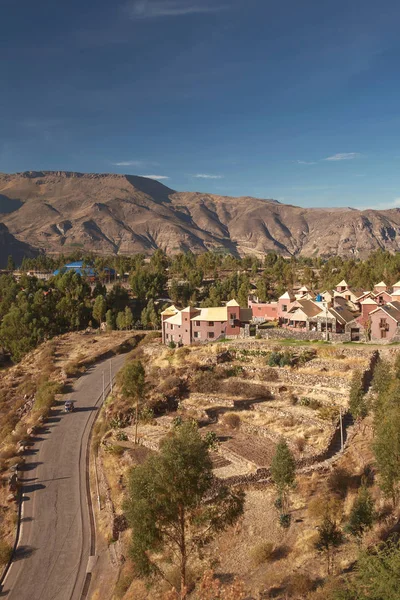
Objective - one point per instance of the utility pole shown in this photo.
(326, 321)
(111, 381)
(341, 430)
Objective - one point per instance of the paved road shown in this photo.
(54, 546)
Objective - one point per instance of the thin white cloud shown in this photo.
(305, 162)
(157, 177)
(150, 9)
(207, 176)
(133, 163)
(384, 205)
(343, 156)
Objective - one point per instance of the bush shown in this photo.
(5, 553)
(46, 394)
(300, 443)
(262, 553)
(270, 375)
(248, 390)
(285, 520)
(300, 584)
(206, 382)
(115, 450)
(74, 369)
(232, 420)
(171, 386)
(274, 359)
(339, 482)
(286, 359)
(172, 345)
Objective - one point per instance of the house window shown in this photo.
(383, 323)
(172, 326)
(348, 297)
(211, 323)
(233, 315)
(210, 334)
(197, 323)
(196, 334)
(284, 307)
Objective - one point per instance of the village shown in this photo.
(344, 314)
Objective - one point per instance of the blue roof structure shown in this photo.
(82, 269)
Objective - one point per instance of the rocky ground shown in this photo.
(249, 410)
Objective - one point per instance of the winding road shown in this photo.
(55, 549)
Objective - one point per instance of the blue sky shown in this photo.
(298, 101)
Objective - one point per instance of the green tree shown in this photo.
(128, 318)
(110, 320)
(243, 295)
(99, 309)
(120, 321)
(10, 264)
(387, 452)
(329, 538)
(357, 403)
(172, 506)
(283, 473)
(376, 576)
(362, 514)
(133, 386)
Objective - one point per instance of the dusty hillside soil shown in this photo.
(55, 360)
(109, 213)
(300, 403)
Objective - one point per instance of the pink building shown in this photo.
(192, 325)
(263, 311)
(367, 306)
(385, 321)
(285, 303)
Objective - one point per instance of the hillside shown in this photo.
(10, 246)
(62, 211)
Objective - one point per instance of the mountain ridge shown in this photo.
(57, 211)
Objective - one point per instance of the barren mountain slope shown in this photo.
(9, 246)
(58, 211)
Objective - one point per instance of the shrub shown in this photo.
(46, 394)
(206, 382)
(262, 553)
(172, 345)
(232, 420)
(146, 415)
(274, 359)
(115, 450)
(300, 584)
(249, 390)
(121, 436)
(339, 482)
(234, 371)
(270, 375)
(285, 520)
(286, 359)
(74, 368)
(171, 386)
(328, 413)
(300, 443)
(5, 553)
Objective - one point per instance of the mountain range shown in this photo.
(123, 214)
